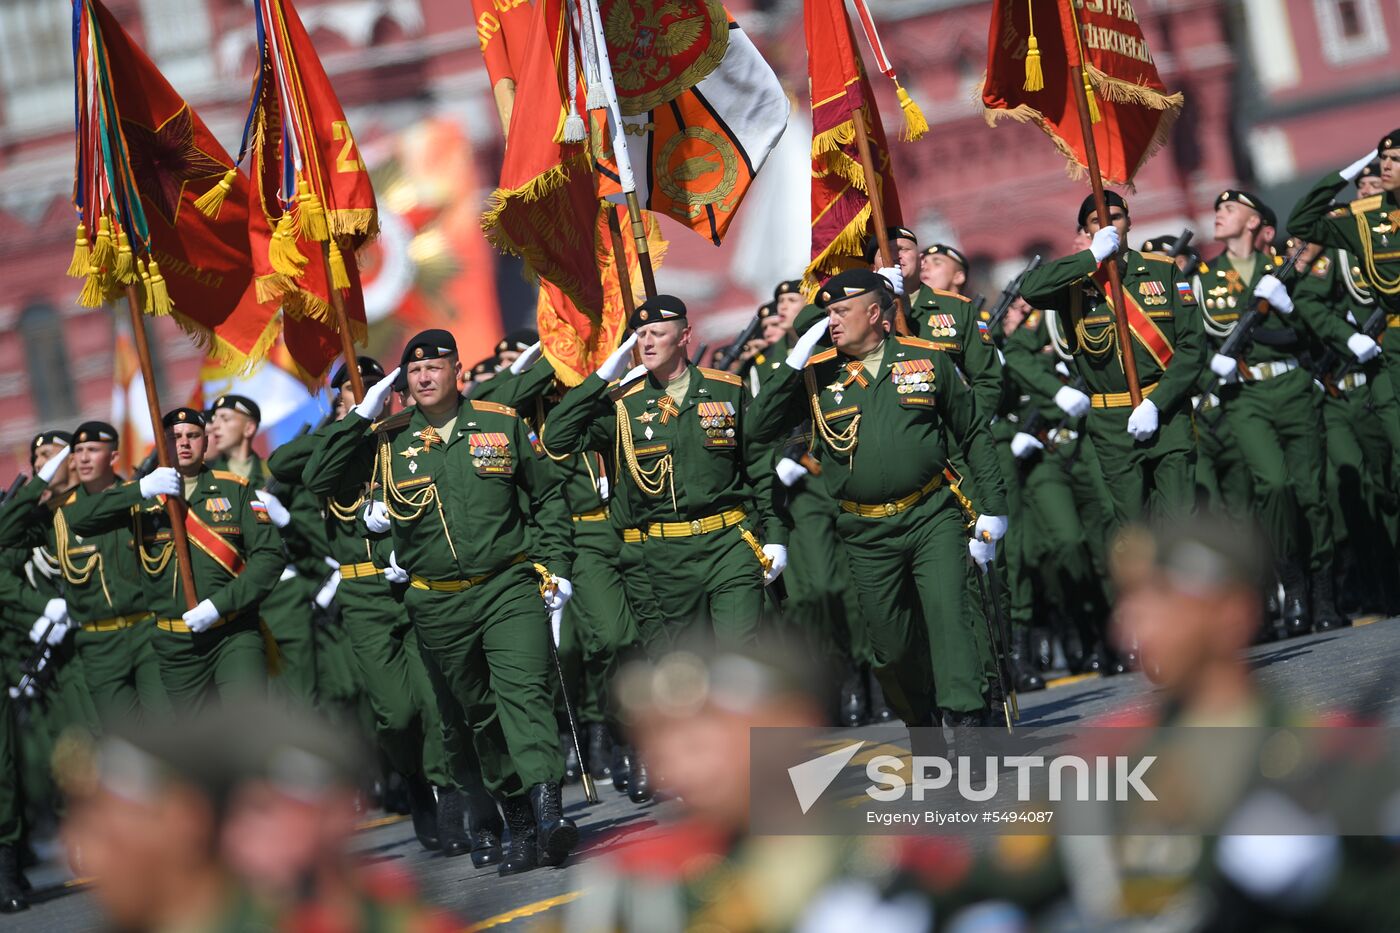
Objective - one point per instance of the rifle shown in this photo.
(1181, 243)
(1008, 295)
(1323, 371)
(700, 353)
(726, 357)
(15, 484)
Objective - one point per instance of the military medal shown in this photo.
(429, 436)
(410, 452)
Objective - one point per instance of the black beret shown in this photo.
(99, 431)
(488, 365)
(872, 245)
(849, 284)
(51, 437)
(370, 371)
(183, 416)
(1267, 216)
(239, 403)
(943, 249)
(1241, 197)
(520, 339)
(429, 345)
(1390, 140)
(788, 287)
(1110, 199)
(1372, 170)
(768, 309)
(658, 308)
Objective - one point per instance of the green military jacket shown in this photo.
(346, 539)
(1224, 295)
(949, 322)
(236, 555)
(1334, 302)
(304, 537)
(454, 502)
(682, 465)
(883, 437)
(1030, 364)
(1087, 323)
(1367, 228)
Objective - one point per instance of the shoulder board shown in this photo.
(720, 375)
(916, 342)
(1365, 205)
(822, 357)
(962, 298)
(1338, 212)
(393, 422)
(496, 407)
(230, 476)
(1278, 261)
(624, 389)
(69, 499)
(1158, 257)
(1203, 266)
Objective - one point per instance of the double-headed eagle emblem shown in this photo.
(662, 48)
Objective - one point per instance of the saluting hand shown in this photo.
(50, 469)
(801, 351)
(616, 363)
(377, 396)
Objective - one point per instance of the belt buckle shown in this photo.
(695, 527)
(890, 509)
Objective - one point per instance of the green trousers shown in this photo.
(123, 672)
(390, 670)
(486, 650)
(597, 627)
(820, 596)
(1277, 424)
(1154, 478)
(911, 571)
(11, 808)
(200, 668)
(713, 581)
(1222, 479)
(287, 614)
(1361, 498)
(67, 700)
(1055, 531)
(641, 600)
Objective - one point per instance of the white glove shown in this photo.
(1275, 293)
(560, 593)
(895, 277)
(604, 489)
(202, 617)
(1363, 348)
(1071, 401)
(376, 516)
(789, 471)
(1142, 423)
(526, 358)
(633, 373)
(58, 633)
(37, 630)
(1225, 367)
(394, 573)
(616, 363)
(1354, 169)
(327, 591)
(1104, 243)
(984, 552)
(47, 471)
(275, 509)
(162, 481)
(376, 396)
(56, 609)
(777, 556)
(801, 351)
(995, 524)
(1023, 445)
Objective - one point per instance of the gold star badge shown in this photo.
(647, 417)
(410, 452)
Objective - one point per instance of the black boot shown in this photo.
(520, 852)
(573, 768)
(1295, 599)
(423, 806)
(451, 825)
(854, 707)
(1022, 671)
(639, 782)
(599, 751)
(967, 741)
(485, 828)
(12, 899)
(1042, 649)
(621, 767)
(555, 834)
(879, 710)
(1325, 615)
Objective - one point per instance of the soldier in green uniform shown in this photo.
(1146, 453)
(103, 594)
(1272, 409)
(451, 473)
(884, 408)
(216, 646)
(693, 480)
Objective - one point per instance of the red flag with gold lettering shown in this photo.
(1033, 49)
(503, 29)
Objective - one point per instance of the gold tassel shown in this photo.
(160, 294)
(313, 213)
(145, 285)
(82, 254)
(210, 202)
(93, 294)
(915, 126)
(125, 269)
(1035, 76)
(282, 252)
(103, 252)
(1094, 115)
(340, 277)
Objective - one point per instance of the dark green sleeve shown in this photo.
(583, 420)
(552, 544)
(1026, 363)
(958, 409)
(516, 390)
(769, 498)
(262, 561)
(343, 459)
(17, 525)
(982, 368)
(16, 593)
(109, 509)
(776, 410)
(1183, 373)
(1314, 301)
(288, 461)
(1309, 220)
(1045, 286)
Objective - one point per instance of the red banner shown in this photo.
(1033, 49)
(502, 29)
